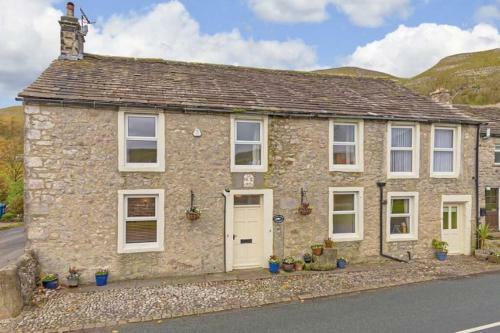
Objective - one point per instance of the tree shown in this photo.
(11, 160)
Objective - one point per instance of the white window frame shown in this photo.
(123, 165)
(415, 149)
(359, 138)
(496, 150)
(263, 121)
(413, 214)
(158, 246)
(457, 139)
(358, 211)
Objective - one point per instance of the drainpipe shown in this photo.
(381, 186)
(224, 194)
(478, 215)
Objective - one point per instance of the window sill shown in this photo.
(155, 168)
(140, 248)
(248, 169)
(342, 168)
(402, 176)
(346, 238)
(444, 175)
(402, 239)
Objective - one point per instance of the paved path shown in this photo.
(11, 245)
(437, 306)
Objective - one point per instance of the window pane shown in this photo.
(141, 151)
(344, 154)
(246, 131)
(343, 202)
(400, 225)
(445, 218)
(491, 196)
(401, 137)
(140, 232)
(443, 161)
(344, 223)
(443, 138)
(497, 156)
(141, 207)
(401, 161)
(400, 206)
(141, 126)
(247, 199)
(344, 133)
(247, 154)
(454, 217)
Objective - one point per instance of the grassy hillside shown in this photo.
(355, 71)
(11, 123)
(472, 78)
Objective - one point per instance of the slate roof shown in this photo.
(490, 114)
(194, 86)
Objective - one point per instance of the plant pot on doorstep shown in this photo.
(50, 281)
(307, 258)
(288, 264)
(317, 249)
(299, 265)
(441, 255)
(73, 282)
(341, 263)
(274, 264)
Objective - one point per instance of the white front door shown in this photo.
(452, 227)
(248, 232)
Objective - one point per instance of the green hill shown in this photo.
(472, 78)
(11, 123)
(355, 71)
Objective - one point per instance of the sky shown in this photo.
(400, 37)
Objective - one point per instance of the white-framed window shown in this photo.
(248, 144)
(403, 149)
(141, 142)
(402, 216)
(346, 145)
(445, 151)
(140, 220)
(497, 154)
(346, 213)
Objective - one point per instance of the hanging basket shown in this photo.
(193, 215)
(304, 209)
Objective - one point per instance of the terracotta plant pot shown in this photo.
(192, 216)
(317, 251)
(304, 209)
(299, 266)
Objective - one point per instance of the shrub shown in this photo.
(8, 216)
(4, 189)
(16, 205)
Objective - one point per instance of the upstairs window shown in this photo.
(249, 145)
(497, 154)
(141, 142)
(403, 151)
(346, 146)
(445, 156)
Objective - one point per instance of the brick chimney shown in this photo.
(72, 36)
(441, 95)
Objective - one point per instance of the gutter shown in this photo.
(383, 202)
(237, 110)
(478, 215)
(224, 194)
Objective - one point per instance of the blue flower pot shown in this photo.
(441, 256)
(341, 264)
(274, 267)
(101, 280)
(50, 284)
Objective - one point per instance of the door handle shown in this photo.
(234, 236)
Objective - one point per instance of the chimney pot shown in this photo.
(70, 9)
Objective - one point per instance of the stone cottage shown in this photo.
(117, 149)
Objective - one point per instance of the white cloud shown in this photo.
(29, 40)
(365, 13)
(488, 13)
(408, 51)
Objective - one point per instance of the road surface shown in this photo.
(11, 245)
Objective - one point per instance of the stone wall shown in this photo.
(489, 173)
(72, 180)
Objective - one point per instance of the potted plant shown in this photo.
(494, 258)
(329, 243)
(288, 264)
(341, 262)
(101, 277)
(307, 258)
(73, 277)
(50, 281)
(317, 249)
(193, 213)
(299, 265)
(441, 248)
(483, 232)
(274, 264)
